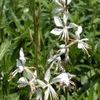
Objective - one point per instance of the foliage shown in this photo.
(27, 24)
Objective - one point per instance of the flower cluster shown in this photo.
(62, 78)
(29, 78)
(63, 28)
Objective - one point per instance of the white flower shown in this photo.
(26, 71)
(64, 78)
(20, 63)
(61, 5)
(56, 57)
(30, 78)
(22, 82)
(49, 90)
(20, 68)
(62, 28)
(81, 42)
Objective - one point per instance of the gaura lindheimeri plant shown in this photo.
(46, 89)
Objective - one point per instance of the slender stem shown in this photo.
(37, 34)
(36, 38)
(72, 43)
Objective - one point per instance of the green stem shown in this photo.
(72, 43)
(36, 38)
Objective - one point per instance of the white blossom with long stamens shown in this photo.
(47, 85)
(32, 82)
(20, 68)
(64, 78)
(20, 64)
(62, 28)
(81, 42)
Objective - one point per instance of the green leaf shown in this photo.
(4, 48)
(14, 96)
(96, 20)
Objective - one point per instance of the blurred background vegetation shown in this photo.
(27, 24)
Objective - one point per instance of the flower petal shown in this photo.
(58, 10)
(85, 39)
(47, 75)
(21, 56)
(62, 46)
(62, 51)
(20, 69)
(63, 78)
(22, 82)
(65, 32)
(57, 1)
(46, 94)
(68, 2)
(72, 25)
(38, 94)
(65, 18)
(41, 83)
(21, 53)
(53, 59)
(29, 74)
(80, 45)
(84, 46)
(79, 31)
(53, 93)
(56, 31)
(18, 63)
(63, 2)
(58, 21)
